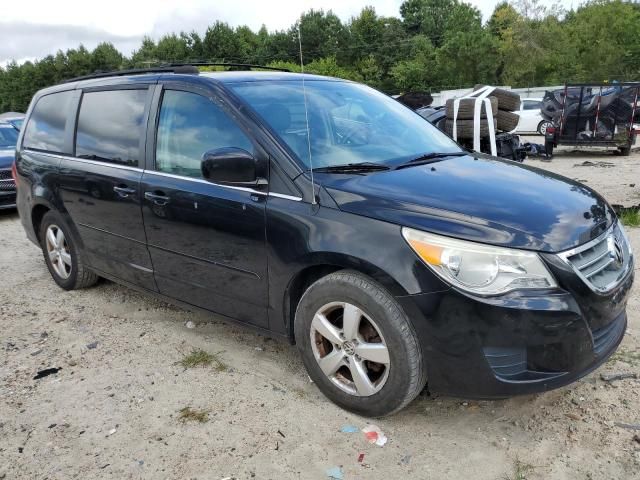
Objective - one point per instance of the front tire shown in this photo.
(64, 261)
(358, 345)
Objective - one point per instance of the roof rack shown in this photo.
(185, 68)
(243, 66)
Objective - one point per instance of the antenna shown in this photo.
(306, 116)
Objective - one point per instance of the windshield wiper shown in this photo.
(353, 167)
(429, 158)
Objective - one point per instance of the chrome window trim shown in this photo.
(163, 174)
(84, 160)
(628, 261)
(286, 197)
(201, 180)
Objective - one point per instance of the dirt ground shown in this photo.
(113, 410)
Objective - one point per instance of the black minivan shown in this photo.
(325, 212)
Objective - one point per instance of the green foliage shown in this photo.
(630, 218)
(188, 414)
(435, 44)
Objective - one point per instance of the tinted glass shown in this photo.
(532, 105)
(110, 126)
(348, 122)
(8, 137)
(189, 126)
(17, 123)
(46, 127)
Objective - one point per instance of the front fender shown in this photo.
(302, 236)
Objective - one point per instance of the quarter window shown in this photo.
(188, 127)
(110, 126)
(46, 127)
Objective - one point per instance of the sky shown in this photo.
(32, 29)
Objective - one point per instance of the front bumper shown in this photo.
(7, 199)
(520, 343)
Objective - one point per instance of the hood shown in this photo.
(478, 198)
(7, 155)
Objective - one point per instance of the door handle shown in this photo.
(157, 198)
(124, 192)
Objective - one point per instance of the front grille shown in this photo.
(603, 262)
(5, 174)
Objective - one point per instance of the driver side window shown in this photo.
(190, 125)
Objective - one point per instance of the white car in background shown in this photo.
(531, 119)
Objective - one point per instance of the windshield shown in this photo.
(348, 122)
(17, 123)
(8, 137)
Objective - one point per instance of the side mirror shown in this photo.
(231, 166)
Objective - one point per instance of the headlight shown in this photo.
(625, 238)
(477, 268)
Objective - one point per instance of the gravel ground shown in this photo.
(113, 410)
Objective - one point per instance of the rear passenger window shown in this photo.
(46, 127)
(189, 126)
(110, 126)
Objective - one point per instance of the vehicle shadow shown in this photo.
(9, 214)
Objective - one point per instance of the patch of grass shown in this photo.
(300, 393)
(630, 218)
(520, 470)
(200, 358)
(188, 414)
(626, 356)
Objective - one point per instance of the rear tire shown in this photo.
(64, 261)
(625, 151)
(542, 126)
(371, 358)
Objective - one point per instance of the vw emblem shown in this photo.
(615, 251)
(348, 348)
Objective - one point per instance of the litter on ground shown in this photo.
(375, 435)
(349, 429)
(334, 473)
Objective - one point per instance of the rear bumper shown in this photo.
(516, 344)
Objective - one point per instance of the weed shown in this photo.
(520, 470)
(188, 414)
(630, 217)
(200, 358)
(626, 356)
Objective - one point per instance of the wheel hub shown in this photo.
(349, 348)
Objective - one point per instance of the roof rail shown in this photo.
(138, 71)
(185, 68)
(244, 66)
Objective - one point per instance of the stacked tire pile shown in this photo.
(503, 104)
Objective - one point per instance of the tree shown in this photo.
(106, 57)
(221, 43)
(146, 55)
(322, 34)
(172, 48)
(419, 72)
(427, 17)
(435, 44)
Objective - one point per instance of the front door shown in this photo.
(100, 185)
(207, 241)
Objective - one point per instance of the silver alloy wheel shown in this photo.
(350, 349)
(58, 251)
(542, 128)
